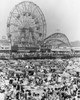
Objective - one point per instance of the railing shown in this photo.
(39, 55)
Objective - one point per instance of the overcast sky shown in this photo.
(63, 15)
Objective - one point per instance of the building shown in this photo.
(5, 45)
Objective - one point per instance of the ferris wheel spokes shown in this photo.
(27, 23)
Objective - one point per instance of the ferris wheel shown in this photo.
(26, 24)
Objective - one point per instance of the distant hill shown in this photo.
(75, 44)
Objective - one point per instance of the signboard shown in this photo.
(5, 47)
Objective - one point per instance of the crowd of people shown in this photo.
(46, 79)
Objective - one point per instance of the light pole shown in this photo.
(10, 43)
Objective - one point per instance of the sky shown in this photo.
(61, 16)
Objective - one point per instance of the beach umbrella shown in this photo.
(66, 74)
(70, 67)
(10, 69)
(77, 69)
(19, 72)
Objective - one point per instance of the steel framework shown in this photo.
(58, 39)
(26, 25)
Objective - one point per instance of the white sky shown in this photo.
(59, 14)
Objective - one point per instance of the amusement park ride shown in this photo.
(26, 25)
(26, 30)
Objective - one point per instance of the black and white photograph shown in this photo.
(39, 49)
